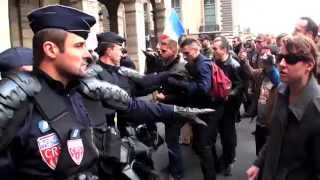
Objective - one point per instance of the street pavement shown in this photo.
(245, 156)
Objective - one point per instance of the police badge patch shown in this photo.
(76, 150)
(50, 149)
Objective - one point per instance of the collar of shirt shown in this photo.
(56, 85)
(109, 67)
(310, 91)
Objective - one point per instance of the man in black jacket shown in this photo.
(227, 129)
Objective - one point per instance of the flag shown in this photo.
(173, 26)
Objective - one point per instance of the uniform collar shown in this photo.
(310, 91)
(108, 67)
(54, 84)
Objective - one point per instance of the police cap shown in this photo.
(13, 58)
(61, 17)
(110, 37)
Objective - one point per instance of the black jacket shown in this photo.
(292, 150)
(37, 152)
(232, 69)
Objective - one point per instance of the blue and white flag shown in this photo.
(173, 26)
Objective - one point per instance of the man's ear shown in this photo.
(50, 49)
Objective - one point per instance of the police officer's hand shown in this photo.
(151, 55)
(191, 113)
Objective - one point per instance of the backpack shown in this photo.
(221, 84)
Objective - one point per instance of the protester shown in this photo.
(292, 150)
(197, 92)
(227, 129)
(206, 46)
(268, 79)
(53, 123)
(236, 44)
(173, 62)
(307, 27)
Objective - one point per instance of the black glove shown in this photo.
(151, 55)
(181, 84)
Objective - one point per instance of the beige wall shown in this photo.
(48, 2)
(191, 15)
(92, 7)
(5, 27)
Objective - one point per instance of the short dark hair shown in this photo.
(57, 36)
(224, 42)
(311, 26)
(189, 41)
(103, 46)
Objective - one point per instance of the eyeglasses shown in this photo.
(290, 58)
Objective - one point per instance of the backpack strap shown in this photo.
(53, 108)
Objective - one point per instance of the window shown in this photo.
(176, 4)
(209, 15)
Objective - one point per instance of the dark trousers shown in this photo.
(172, 132)
(228, 136)
(261, 136)
(204, 138)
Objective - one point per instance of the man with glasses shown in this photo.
(261, 48)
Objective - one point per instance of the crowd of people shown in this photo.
(57, 121)
(275, 79)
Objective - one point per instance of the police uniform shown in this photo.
(59, 132)
(134, 87)
(13, 58)
(52, 138)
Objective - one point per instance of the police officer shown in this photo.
(50, 126)
(50, 137)
(110, 51)
(15, 59)
(47, 121)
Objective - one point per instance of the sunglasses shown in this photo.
(290, 58)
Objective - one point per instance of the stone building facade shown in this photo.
(135, 20)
